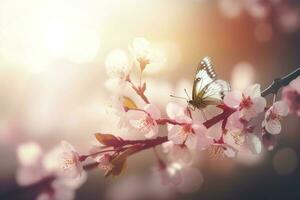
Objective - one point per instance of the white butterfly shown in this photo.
(207, 89)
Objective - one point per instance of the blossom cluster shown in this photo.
(58, 171)
(180, 130)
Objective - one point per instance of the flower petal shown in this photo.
(153, 131)
(176, 135)
(254, 144)
(233, 99)
(230, 151)
(273, 126)
(191, 141)
(153, 111)
(259, 104)
(249, 113)
(252, 91)
(281, 108)
(174, 110)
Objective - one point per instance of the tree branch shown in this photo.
(280, 82)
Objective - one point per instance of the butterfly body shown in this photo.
(207, 89)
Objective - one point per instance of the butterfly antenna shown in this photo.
(187, 93)
(177, 97)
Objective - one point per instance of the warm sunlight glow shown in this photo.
(242, 76)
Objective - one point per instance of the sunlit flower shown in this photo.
(141, 50)
(70, 161)
(191, 133)
(291, 95)
(144, 120)
(273, 117)
(146, 55)
(117, 64)
(249, 102)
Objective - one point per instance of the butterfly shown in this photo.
(207, 89)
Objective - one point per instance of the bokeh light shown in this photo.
(285, 161)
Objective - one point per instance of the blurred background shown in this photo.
(53, 82)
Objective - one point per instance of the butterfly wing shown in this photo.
(207, 89)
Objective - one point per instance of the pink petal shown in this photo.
(174, 110)
(176, 135)
(199, 128)
(254, 144)
(135, 117)
(273, 126)
(153, 131)
(259, 104)
(252, 91)
(281, 108)
(215, 131)
(230, 151)
(204, 142)
(249, 113)
(234, 122)
(233, 99)
(191, 141)
(153, 111)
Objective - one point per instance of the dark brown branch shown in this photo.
(280, 82)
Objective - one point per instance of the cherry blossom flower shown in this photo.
(70, 161)
(241, 134)
(144, 120)
(147, 55)
(249, 102)
(291, 95)
(117, 64)
(191, 133)
(141, 50)
(274, 116)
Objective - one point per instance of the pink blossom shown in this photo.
(144, 120)
(291, 95)
(191, 133)
(70, 161)
(241, 134)
(249, 102)
(273, 117)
